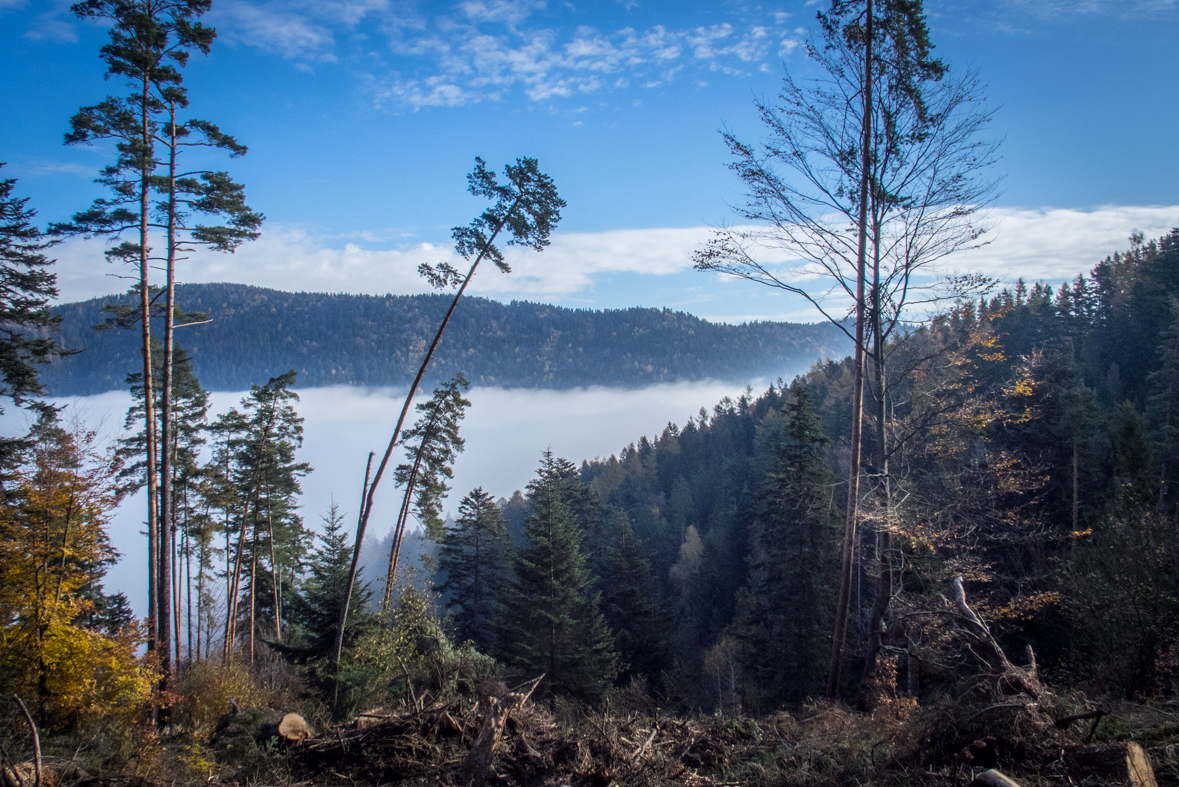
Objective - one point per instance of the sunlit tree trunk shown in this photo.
(835, 668)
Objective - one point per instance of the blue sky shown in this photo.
(363, 117)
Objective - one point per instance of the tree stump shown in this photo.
(473, 772)
(293, 728)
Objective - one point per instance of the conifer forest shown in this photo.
(940, 548)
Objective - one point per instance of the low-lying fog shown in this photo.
(505, 430)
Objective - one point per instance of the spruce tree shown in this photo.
(789, 607)
(1162, 407)
(550, 622)
(473, 556)
(318, 605)
(639, 619)
(28, 286)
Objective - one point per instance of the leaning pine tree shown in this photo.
(550, 622)
(527, 208)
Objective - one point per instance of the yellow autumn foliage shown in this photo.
(53, 552)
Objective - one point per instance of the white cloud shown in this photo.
(1050, 245)
(1055, 244)
(508, 12)
(482, 64)
(292, 259)
(287, 259)
(278, 27)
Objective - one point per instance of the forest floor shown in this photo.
(822, 744)
(543, 742)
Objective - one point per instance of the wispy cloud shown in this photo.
(291, 30)
(31, 167)
(483, 50)
(1057, 9)
(55, 25)
(468, 63)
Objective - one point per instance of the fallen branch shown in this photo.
(640, 751)
(980, 630)
(36, 741)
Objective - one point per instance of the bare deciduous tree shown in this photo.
(869, 176)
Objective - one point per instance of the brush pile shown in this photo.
(425, 745)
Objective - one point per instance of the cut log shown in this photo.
(1120, 763)
(294, 728)
(993, 778)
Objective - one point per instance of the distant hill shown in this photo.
(256, 333)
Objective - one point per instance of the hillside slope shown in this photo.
(379, 340)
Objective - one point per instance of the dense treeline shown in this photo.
(1036, 440)
(1025, 460)
(257, 333)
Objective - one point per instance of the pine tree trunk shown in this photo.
(398, 534)
(167, 597)
(361, 525)
(235, 585)
(154, 624)
(253, 585)
(835, 668)
(188, 572)
(175, 590)
(273, 570)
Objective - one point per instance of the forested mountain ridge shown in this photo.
(338, 339)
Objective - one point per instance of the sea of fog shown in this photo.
(506, 430)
